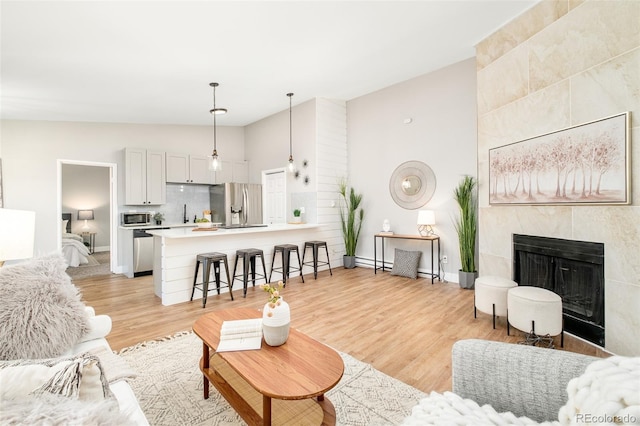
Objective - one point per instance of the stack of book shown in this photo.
(240, 335)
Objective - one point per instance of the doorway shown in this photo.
(85, 185)
(274, 183)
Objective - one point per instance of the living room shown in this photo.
(526, 79)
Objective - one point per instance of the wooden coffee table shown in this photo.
(273, 385)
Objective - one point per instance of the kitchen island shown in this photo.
(175, 252)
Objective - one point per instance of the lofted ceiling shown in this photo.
(152, 61)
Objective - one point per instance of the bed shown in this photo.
(73, 249)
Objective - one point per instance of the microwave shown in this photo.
(135, 219)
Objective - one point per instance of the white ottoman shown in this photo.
(536, 311)
(490, 296)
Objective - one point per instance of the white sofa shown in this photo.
(100, 327)
(94, 343)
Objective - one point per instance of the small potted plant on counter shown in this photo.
(158, 217)
(296, 216)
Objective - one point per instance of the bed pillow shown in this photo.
(41, 314)
(405, 263)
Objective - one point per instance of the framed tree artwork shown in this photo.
(584, 164)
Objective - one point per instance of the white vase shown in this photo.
(275, 323)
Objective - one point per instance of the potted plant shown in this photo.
(158, 217)
(351, 215)
(296, 216)
(466, 227)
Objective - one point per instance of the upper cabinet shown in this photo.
(184, 168)
(145, 177)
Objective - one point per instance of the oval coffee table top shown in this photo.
(299, 369)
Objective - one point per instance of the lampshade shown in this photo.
(426, 218)
(17, 231)
(85, 215)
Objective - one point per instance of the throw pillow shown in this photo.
(80, 377)
(41, 314)
(405, 263)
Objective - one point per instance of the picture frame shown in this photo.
(587, 163)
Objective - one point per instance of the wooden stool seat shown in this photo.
(208, 259)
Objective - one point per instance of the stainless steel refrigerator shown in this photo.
(236, 204)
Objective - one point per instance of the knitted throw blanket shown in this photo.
(607, 393)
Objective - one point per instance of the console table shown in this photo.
(382, 236)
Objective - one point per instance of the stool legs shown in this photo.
(248, 265)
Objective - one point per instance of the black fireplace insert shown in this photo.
(572, 269)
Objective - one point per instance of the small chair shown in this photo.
(286, 267)
(314, 245)
(208, 259)
(490, 296)
(537, 312)
(248, 257)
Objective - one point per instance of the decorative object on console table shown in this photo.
(386, 226)
(426, 220)
(466, 227)
(17, 231)
(276, 316)
(351, 216)
(158, 217)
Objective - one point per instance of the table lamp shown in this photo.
(426, 218)
(17, 232)
(85, 215)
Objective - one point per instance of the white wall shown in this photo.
(267, 147)
(442, 134)
(30, 150)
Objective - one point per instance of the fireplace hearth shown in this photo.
(572, 269)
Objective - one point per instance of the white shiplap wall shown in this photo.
(331, 159)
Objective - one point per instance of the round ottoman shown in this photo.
(536, 311)
(490, 296)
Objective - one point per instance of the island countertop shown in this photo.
(184, 232)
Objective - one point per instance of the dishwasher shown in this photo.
(142, 252)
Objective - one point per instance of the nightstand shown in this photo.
(89, 240)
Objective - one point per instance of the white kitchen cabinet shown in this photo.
(226, 174)
(145, 177)
(184, 168)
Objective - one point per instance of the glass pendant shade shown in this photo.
(214, 161)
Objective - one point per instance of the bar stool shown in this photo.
(208, 259)
(286, 267)
(314, 245)
(248, 257)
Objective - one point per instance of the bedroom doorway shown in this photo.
(91, 187)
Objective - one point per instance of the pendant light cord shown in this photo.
(290, 95)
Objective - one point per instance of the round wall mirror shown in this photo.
(412, 184)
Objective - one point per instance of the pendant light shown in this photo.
(290, 166)
(214, 161)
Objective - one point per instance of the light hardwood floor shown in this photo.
(403, 327)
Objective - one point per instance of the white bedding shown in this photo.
(73, 249)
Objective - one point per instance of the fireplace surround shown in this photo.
(572, 269)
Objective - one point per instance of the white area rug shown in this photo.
(98, 265)
(169, 388)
